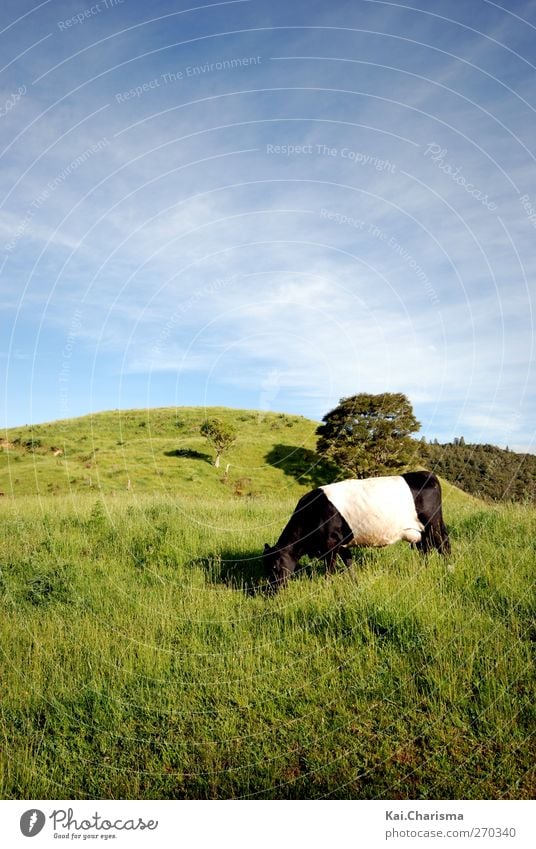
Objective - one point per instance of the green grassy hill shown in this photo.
(160, 451)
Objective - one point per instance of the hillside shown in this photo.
(161, 451)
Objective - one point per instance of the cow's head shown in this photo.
(278, 565)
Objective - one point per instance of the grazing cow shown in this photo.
(373, 511)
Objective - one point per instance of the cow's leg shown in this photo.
(346, 556)
(330, 559)
(435, 537)
(337, 550)
(438, 534)
(333, 535)
(442, 542)
(426, 543)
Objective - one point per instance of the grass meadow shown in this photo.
(140, 660)
(138, 663)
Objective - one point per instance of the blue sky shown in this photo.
(269, 205)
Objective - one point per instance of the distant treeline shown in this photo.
(483, 470)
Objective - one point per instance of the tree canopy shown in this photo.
(369, 434)
(484, 470)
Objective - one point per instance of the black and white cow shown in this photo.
(372, 511)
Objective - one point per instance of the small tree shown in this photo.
(220, 435)
(369, 434)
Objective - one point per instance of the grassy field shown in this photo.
(138, 661)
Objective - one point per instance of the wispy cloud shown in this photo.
(355, 190)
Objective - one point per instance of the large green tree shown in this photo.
(369, 434)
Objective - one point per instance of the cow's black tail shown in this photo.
(435, 536)
(426, 491)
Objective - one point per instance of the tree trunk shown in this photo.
(217, 461)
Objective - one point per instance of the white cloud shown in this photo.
(430, 294)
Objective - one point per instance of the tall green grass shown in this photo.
(139, 661)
